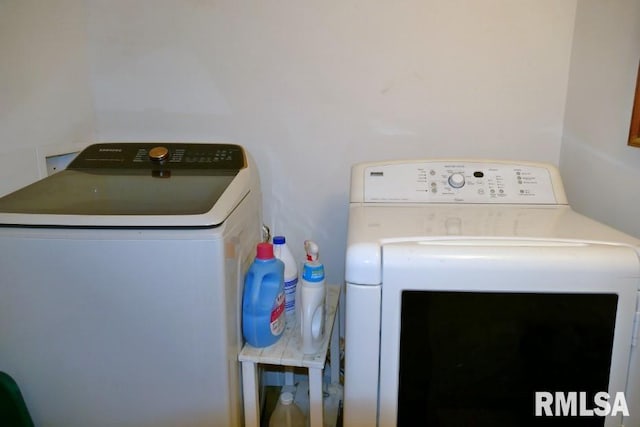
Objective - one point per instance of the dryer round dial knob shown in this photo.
(456, 180)
(158, 153)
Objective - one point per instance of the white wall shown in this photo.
(313, 87)
(601, 172)
(45, 98)
(309, 88)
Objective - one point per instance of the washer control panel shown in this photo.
(460, 182)
(160, 156)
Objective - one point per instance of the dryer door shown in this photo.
(472, 329)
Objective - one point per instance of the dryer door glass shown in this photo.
(478, 358)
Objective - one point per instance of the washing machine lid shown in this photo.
(411, 228)
(136, 185)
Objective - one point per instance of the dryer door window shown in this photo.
(478, 358)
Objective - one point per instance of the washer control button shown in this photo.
(158, 153)
(456, 180)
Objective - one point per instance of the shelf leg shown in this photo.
(335, 351)
(315, 397)
(250, 394)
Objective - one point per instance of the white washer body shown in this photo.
(129, 320)
(471, 226)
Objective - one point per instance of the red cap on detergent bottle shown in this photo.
(265, 251)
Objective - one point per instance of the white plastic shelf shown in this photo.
(287, 352)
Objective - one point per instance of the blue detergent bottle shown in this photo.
(263, 318)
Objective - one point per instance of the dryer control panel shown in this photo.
(457, 181)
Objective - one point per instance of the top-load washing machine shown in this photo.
(476, 296)
(121, 281)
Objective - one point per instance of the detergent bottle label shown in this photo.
(277, 318)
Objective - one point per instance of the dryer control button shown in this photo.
(158, 153)
(456, 180)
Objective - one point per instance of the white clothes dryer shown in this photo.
(120, 285)
(473, 289)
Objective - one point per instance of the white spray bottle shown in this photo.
(312, 299)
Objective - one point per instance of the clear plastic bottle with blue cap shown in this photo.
(312, 300)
